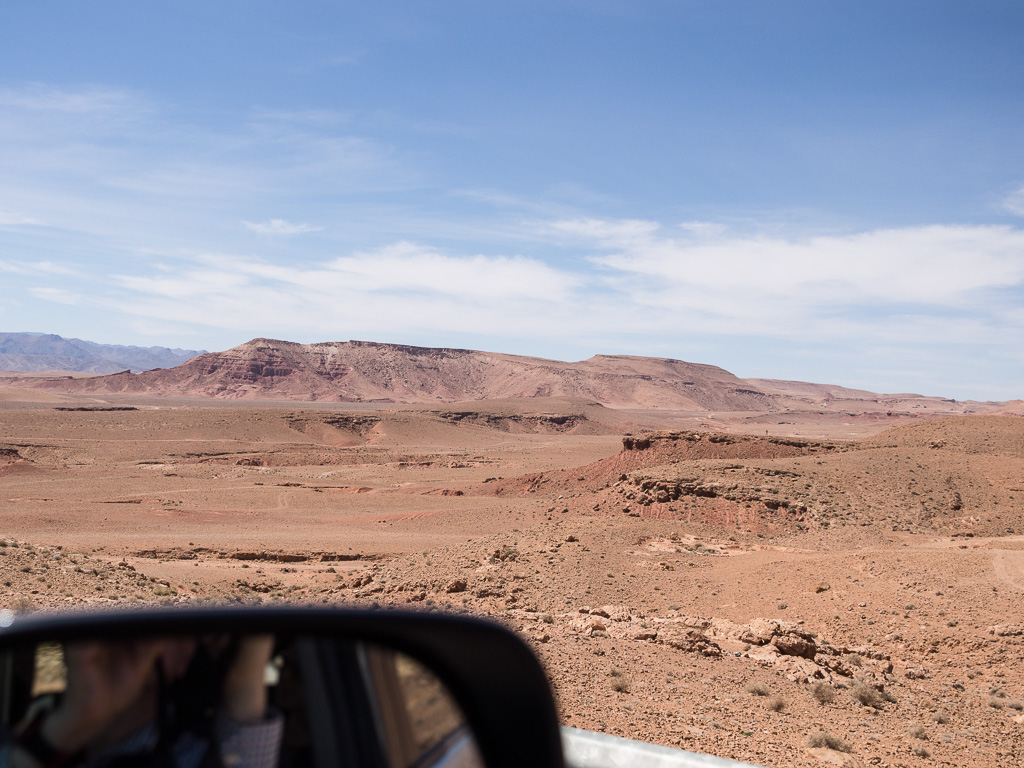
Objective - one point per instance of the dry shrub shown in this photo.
(619, 680)
(918, 731)
(823, 693)
(998, 699)
(758, 689)
(941, 718)
(822, 740)
(920, 750)
(777, 704)
(866, 695)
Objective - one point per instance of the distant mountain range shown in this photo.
(33, 352)
(367, 372)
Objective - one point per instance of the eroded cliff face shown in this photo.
(262, 366)
(360, 371)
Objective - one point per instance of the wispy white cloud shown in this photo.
(408, 267)
(61, 296)
(1014, 202)
(359, 283)
(41, 97)
(928, 285)
(14, 219)
(279, 227)
(605, 233)
(707, 278)
(371, 294)
(37, 268)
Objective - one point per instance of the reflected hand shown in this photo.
(245, 692)
(110, 685)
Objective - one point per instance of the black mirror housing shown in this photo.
(490, 673)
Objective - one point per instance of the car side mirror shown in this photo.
(275, 686)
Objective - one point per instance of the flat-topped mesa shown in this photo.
(364, 371)
(375, 372)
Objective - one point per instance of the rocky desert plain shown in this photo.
(775, 572)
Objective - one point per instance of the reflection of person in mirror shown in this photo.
(168, 702)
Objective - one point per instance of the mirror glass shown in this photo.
(229, 700)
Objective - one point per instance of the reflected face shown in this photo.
(328, 702)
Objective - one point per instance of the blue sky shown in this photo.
(823, 191)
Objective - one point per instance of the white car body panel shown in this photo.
(590, 749)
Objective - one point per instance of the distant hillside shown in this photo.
(360, 371)
(369, 372)
(48, 352)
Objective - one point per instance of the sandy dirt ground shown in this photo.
(726, 583)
